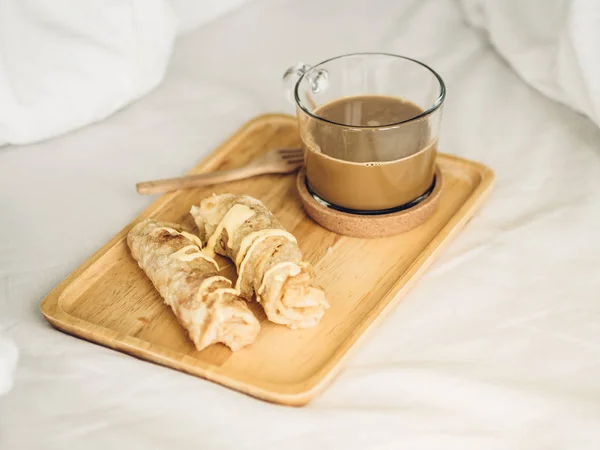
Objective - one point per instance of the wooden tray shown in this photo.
(110, 301)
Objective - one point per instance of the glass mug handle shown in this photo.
(318, 82)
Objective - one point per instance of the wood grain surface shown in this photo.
(109, 300)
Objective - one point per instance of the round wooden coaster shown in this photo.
(369, 226)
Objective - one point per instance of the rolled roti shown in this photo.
(268, 260)
(188, 281)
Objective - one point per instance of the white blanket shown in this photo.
(553, 44)
(497, 346)
(69, 63)
(8, 362)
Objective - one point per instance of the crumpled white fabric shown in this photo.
(68, 63)
(192, 13)
(8, 363)
(552, 44)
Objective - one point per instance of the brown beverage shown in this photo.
(369, 168)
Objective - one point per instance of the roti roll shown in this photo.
(188, 280)
(267, 257)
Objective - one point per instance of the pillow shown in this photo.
(552, 44)
(68, 63)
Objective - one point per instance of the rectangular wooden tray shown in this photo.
(110, 301)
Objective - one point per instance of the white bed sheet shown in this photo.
(497, 347)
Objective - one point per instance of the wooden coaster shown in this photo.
(369, 226)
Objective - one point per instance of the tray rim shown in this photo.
(293, 394)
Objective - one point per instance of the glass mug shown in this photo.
(369, 125)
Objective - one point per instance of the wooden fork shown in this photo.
(274, 161)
